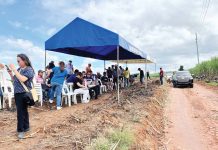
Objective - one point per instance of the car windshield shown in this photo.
(185, 73)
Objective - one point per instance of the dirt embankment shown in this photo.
(76, 127)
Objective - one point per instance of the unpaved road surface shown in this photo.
(192, 119)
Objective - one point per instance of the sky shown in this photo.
(164, 29)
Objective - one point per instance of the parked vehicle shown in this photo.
(182, 78)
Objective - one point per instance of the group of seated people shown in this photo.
(84, 82)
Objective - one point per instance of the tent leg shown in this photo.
(155, 67)
(45, 59)
(146, 79)
(104, 66)
(118, 87)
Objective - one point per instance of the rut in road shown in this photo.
(191, 125)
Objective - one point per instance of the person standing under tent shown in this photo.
(109, 73)
(69, 68)
(126, 74)
(161, 76)
(141, 75)
(80, 88)
(148, 75)
(115, 75)
(106, 81)
(24, 74)
(89, 69)
(57, 81)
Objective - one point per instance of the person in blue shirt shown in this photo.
(72, 77)
(57, 81)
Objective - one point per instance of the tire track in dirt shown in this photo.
(191, 125)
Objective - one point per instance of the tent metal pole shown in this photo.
(118, 87)
(146, 79)
(104, 66)
(155, 67)
(45, 59)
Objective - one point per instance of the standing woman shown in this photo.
(25, 74)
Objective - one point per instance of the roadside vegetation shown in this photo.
(154, 75)
(207, 70)
(113, 139)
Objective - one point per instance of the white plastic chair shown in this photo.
(68, 95)
(38, 88)
(74, 95)
(103, 88)
(8, 93)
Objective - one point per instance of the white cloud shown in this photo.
(164, 29)
(51, 31)
(11, 46)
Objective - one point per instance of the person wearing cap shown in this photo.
(69, 68)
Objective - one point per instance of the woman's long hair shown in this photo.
(26, 60)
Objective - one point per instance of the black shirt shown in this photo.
(109, 73)
(75, 86)
(104, 79)
(141, 74)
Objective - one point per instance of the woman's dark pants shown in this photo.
(22, 112)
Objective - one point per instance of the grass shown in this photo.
(124, 139)
(208, 68)
(154, 75)
(213, 83)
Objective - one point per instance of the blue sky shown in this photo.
(163, 29)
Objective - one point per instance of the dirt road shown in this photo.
(192, 119)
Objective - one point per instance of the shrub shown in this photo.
(208, 68)
(111, 137)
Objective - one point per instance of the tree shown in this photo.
(181, 68)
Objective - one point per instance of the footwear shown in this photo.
(50, 101)
(59, 108)
(20, 135)
(26, 130)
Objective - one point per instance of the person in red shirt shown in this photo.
(161, 76)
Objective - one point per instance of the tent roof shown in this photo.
(149, 60)
(134, 61)
(86, 39)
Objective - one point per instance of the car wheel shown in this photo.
(191, 86)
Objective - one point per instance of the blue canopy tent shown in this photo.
(82, 38)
